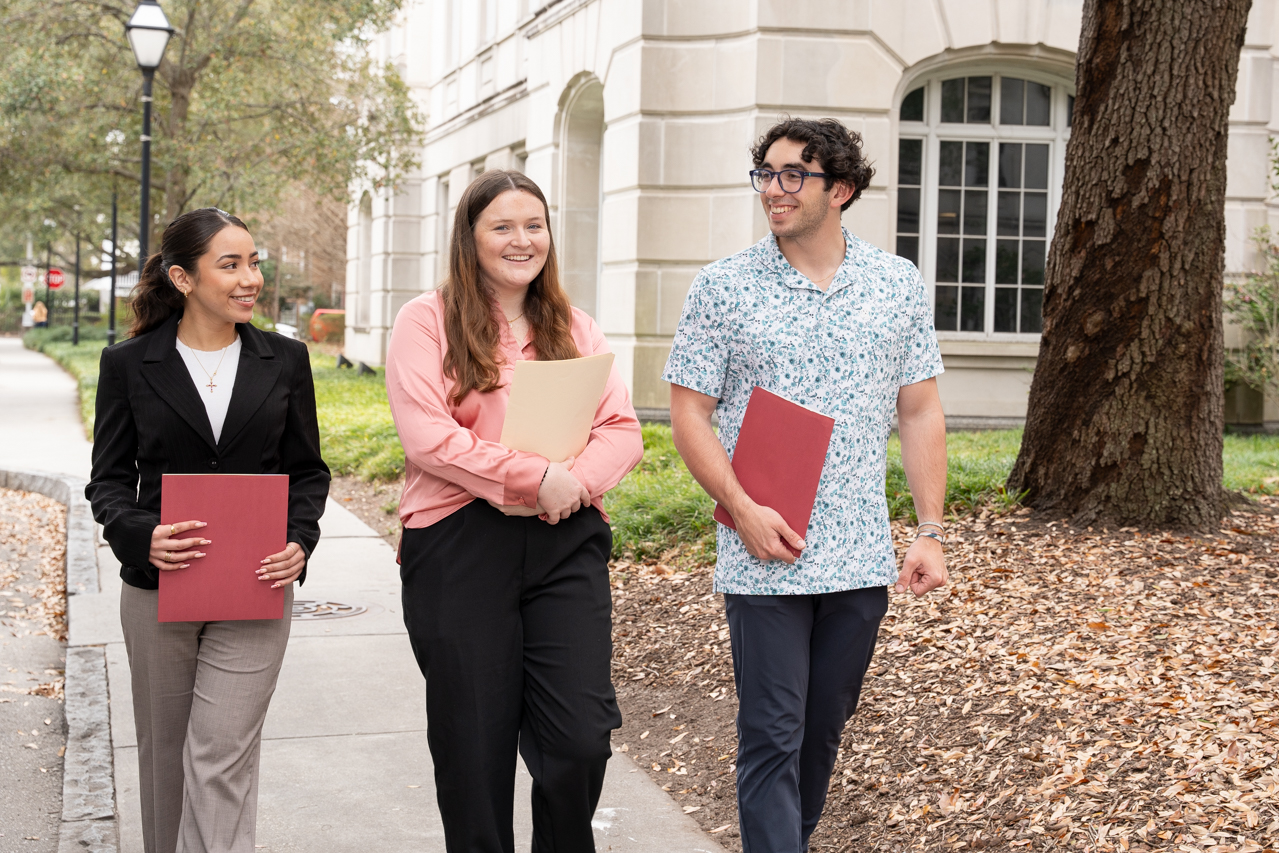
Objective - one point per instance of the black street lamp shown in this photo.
(148, 31)
(114, 236)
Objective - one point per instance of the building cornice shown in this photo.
(491, 104)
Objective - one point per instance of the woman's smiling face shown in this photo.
(512, 241)
(227, 282)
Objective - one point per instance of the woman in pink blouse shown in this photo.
(504, 554)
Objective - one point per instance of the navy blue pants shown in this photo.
(798, 661)
(510, 620)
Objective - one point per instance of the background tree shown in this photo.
(1126, 412)
(254, 97)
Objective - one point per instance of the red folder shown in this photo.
(778, 459)
(247, 517)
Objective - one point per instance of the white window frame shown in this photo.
(932, 131)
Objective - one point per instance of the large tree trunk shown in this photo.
(1126, 407)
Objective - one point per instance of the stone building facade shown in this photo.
(635, 117)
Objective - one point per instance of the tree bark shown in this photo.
(1126, 407)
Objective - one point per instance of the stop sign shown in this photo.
(56, 278)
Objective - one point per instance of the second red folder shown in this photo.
(247, 517)
(781, 449)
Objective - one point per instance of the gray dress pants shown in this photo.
(200, 695)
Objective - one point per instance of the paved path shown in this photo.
(345, 765)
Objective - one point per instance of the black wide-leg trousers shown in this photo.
(510, 621)
(798, 661)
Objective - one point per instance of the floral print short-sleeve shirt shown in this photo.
(753, 319)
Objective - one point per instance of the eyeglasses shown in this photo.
(791, 180)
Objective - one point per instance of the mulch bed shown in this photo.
(1071, 689)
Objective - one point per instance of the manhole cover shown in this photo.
(306, 609)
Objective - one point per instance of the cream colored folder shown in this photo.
(553, 405)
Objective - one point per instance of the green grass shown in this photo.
(357, 435)
(658, 506)
(1251, 463)
(977, 464)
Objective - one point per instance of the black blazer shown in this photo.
(150, 421)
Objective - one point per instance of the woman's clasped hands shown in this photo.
(560, 495)
(169, 552)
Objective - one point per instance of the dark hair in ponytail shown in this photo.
(155, 298)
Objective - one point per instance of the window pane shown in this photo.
(972, 309)
(951, 164)
(1032, 261)
(1008, 218)
(1005, 309)
(948, 212)
(947, 259)
(1032, 310)
(1035, 215)
(974, 271)
(908, 248)
(908, 210)
(952, 100)
(1036, 167)
(978, 100)
(946, 315)
(1005, 261)
(1010, 98)
(913, 106)
(1038, 99)
(1010, 165)
(977, 164)
(910, 160)
(975, 212)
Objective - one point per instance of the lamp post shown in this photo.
(148, 32)
(114, 232)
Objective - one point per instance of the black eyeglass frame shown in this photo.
(758, 174)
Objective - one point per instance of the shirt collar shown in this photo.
(769, 255)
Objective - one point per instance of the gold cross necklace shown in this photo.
(212, 375)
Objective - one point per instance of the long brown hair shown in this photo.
(470, 316)
(186, 238)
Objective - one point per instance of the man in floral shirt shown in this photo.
(826, 320)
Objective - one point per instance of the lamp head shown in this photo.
(148, 31)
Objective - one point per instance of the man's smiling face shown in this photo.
(798, 214)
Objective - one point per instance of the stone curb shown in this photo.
(89, 822)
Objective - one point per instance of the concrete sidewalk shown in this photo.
(345, 765)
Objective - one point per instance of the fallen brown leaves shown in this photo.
(1092, 690)
(33, 576)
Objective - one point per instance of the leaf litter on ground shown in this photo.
(32, 581)
(1072, 689)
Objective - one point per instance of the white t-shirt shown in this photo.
(218, 369)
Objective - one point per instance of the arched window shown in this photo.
(364, 269)
(979, 165)
(581, 142)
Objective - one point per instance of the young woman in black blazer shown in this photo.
(198, 390)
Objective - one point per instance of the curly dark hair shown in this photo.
(835, 147)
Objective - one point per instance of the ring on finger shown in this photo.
(173, 530)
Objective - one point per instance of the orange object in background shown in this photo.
(327, 324)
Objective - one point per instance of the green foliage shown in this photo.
(252, 96)
(1251, 463)
(659, 505)
(977, 465)
(357, 435)
(1253, 303)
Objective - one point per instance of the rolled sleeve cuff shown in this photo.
(523, 480)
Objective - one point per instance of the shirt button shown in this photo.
(213, 463)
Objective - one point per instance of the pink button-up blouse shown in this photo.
(452, 455)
